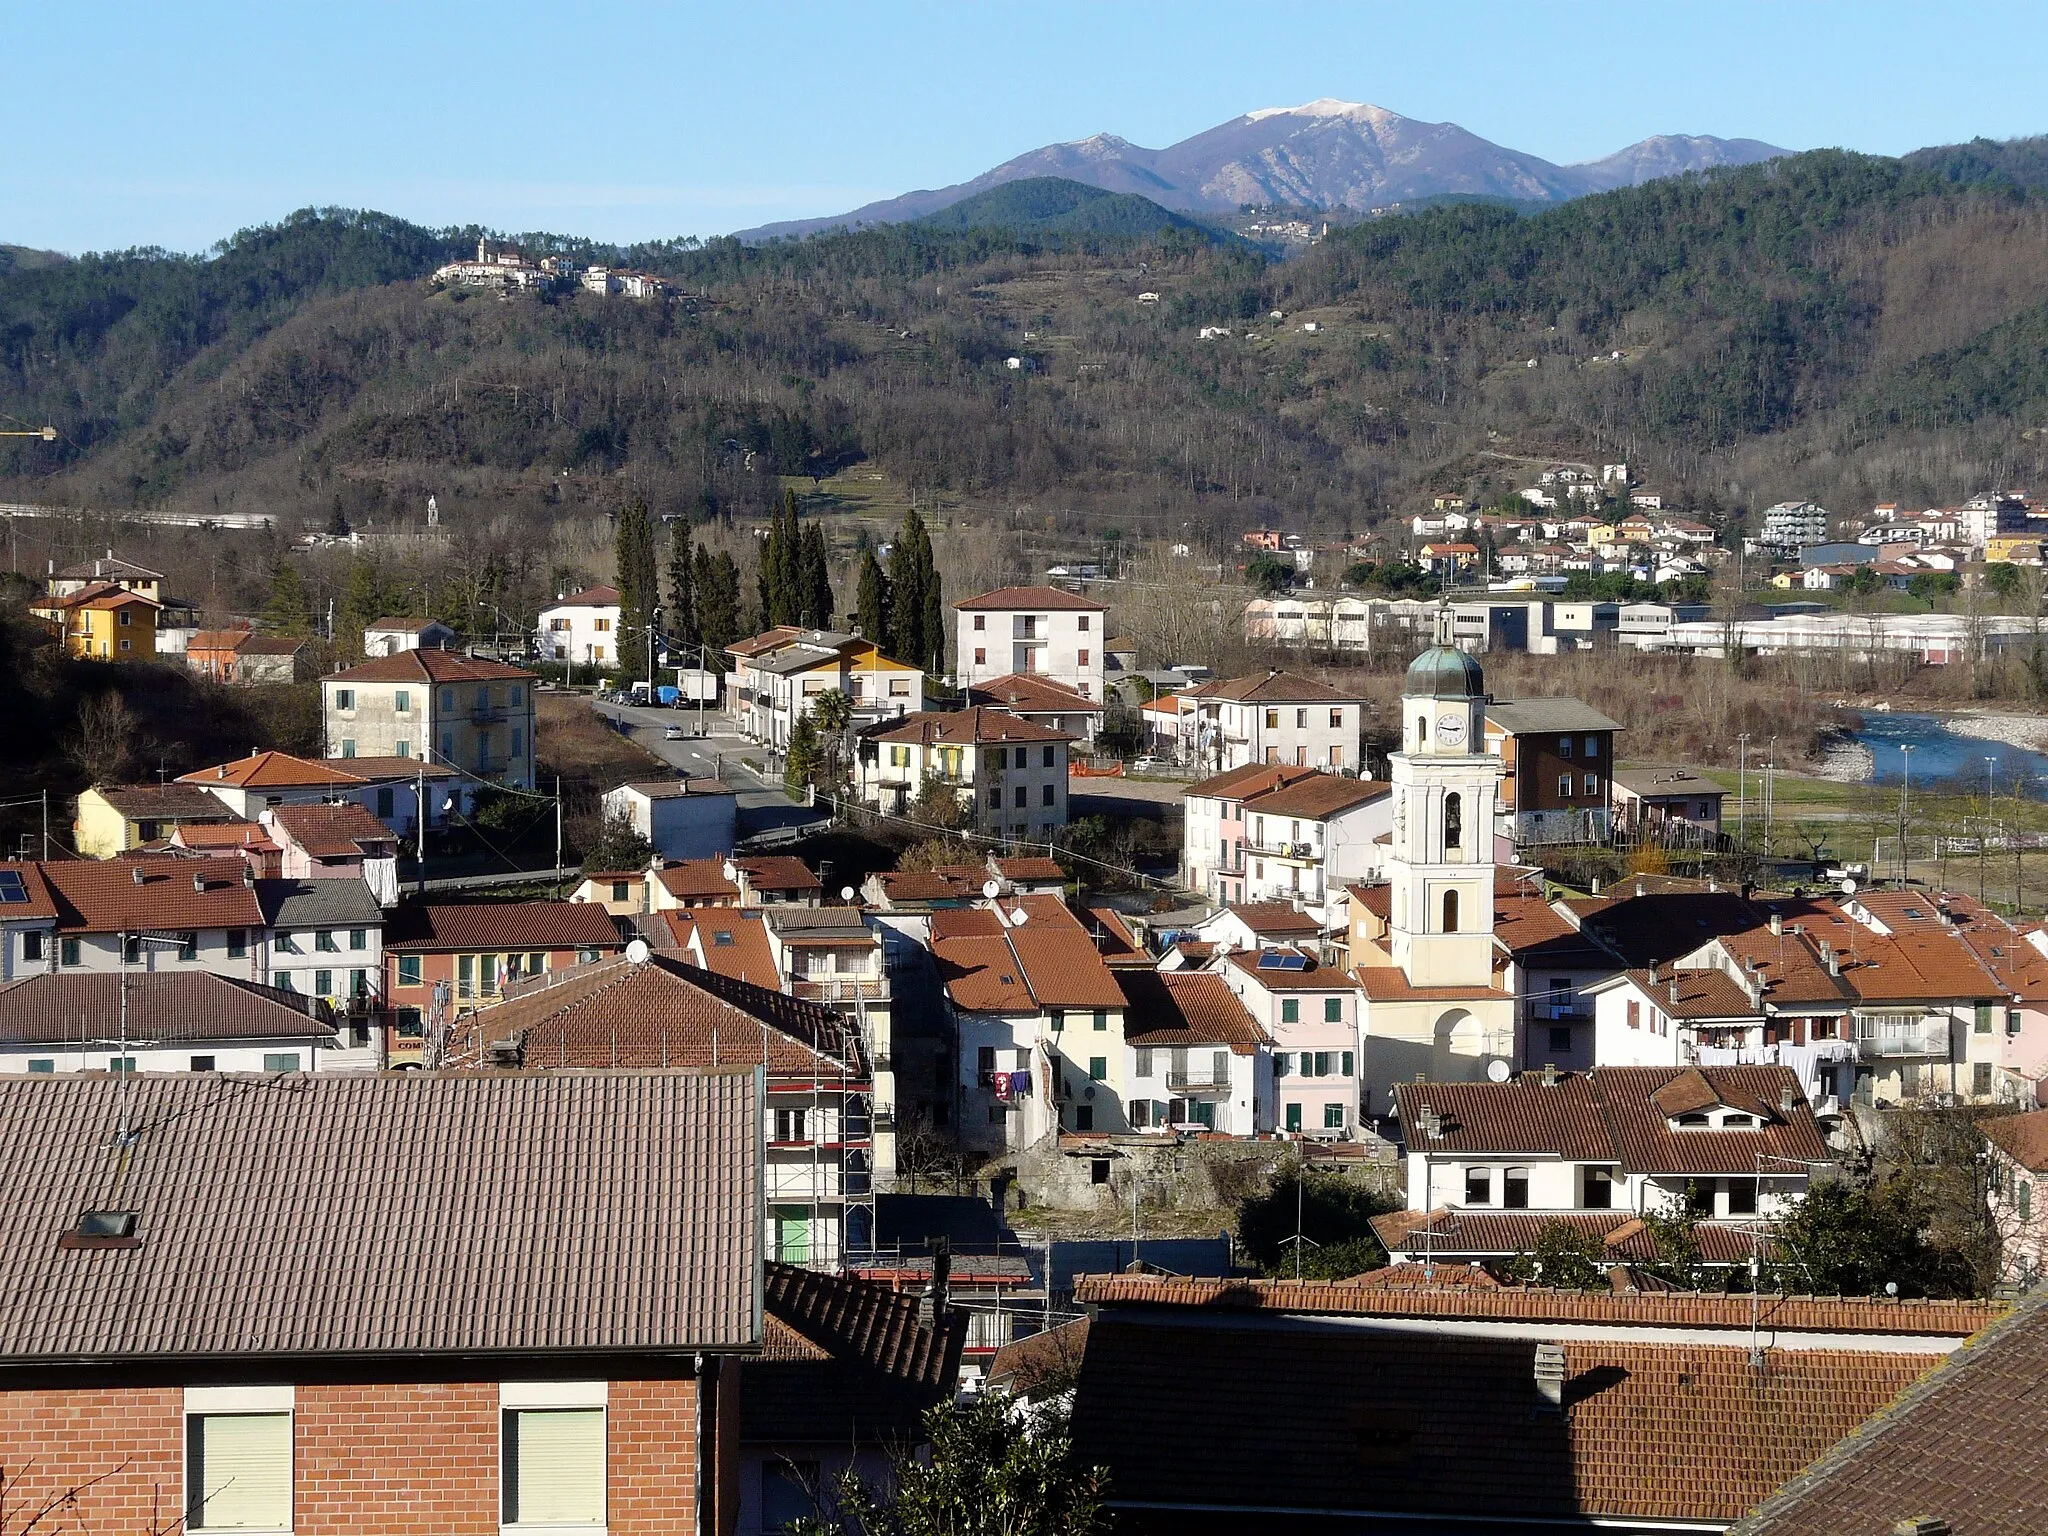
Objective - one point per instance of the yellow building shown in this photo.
(112, 818)
(2012, 549)
(103, 622)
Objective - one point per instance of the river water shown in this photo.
(1943, 756)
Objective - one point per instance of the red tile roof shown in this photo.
(1026, 870)
(429, 927)
(276, 770)
(1406, 1426)
(1273, 688)
(1042, 599)
(1276, 919)
(164, 802)
(1536, 1304)
(338, 831)
(1252, 779)
(589, 597)
(1049, 962)
(429, 665)
(52, 1008)
(153, 895)
(1966, 1445)
(697, 879)
(2023, 1138)
(1312, 976)
(1319, 796)
(1028, 695)
(1186, 1008)
(777, 872)
(664, 1013)
(1695, 994)
(1620, 1114)
(733, 942)
(976, 726)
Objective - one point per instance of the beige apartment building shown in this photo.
(471, 715)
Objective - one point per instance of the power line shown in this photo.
(966, 835)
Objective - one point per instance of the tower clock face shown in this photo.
(1450, 729)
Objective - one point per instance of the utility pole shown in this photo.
(558, 834)
(1984, 842)
(419, 811)
(1742, 788)
(1905, 802)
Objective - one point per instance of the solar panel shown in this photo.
(1276, 960)
(12, 890)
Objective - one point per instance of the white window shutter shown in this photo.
(559, 1466)
(242, 1465)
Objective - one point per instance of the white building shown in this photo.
(468, 714)
(1010, 773)
(680, 818)
(1790, 526)
(325, 940)
(1627, 1139)
(1283, 834)
(779, 675)
(1036, 631)
(1199, 1062)
(581, 627)
(183, 1021)
(1276, 718)
(389, 636)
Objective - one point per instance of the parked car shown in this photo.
(1149, 764)
(672, 733)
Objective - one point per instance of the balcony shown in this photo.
(1293, 853)
(1196, 1082)
(487, 714)
(1881, 1037)
(841, 989)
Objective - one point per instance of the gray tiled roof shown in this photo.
(392, 1214)
(1526, 717)
(334, 903)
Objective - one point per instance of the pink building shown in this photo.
(1311, 1012)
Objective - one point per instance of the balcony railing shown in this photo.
(1197, 1082)
(1299, 852)
(1888, 1037)
(486, 714)
(841, 989)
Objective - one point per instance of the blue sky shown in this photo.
(174, 124)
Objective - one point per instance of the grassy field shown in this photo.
(1858, 824)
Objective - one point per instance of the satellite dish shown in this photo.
(846, 893)
(1018, 917)
(1497, 1071)
(637, 951)
(1848, 885)
(991, 889)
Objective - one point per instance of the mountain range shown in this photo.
(1324, 154)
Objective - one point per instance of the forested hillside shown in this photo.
(1834, 325)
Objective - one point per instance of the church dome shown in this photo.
(1444, 672)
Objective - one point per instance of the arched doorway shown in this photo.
(1459, 1047)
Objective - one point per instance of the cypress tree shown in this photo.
(639, 583)
(683, 623)
(916, 615)
(716, 579)
(815, 578)
(872, 604)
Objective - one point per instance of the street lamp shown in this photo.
(47, 434)
(1905, 800)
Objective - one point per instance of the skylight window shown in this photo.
(13, 891)
(103, 1229)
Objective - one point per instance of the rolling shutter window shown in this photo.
(239, 1472)
(554, 1466)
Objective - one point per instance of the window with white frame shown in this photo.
(238, 1459)
(552, 1452)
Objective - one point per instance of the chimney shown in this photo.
(1550, 1377)
(1428, 1122)
(1550, 1074)
(1921, 1525)
(199, 885)
(1787, 1097)
(1640, 891)
(1674, 991)
(136, 871)
(1777, 926)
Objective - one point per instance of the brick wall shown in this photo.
(130, 1440)
(394, 1457)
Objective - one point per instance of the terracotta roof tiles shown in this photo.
(1186, 1008)
(1029, 599)
(420, 927)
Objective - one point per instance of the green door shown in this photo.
(792, 1234)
